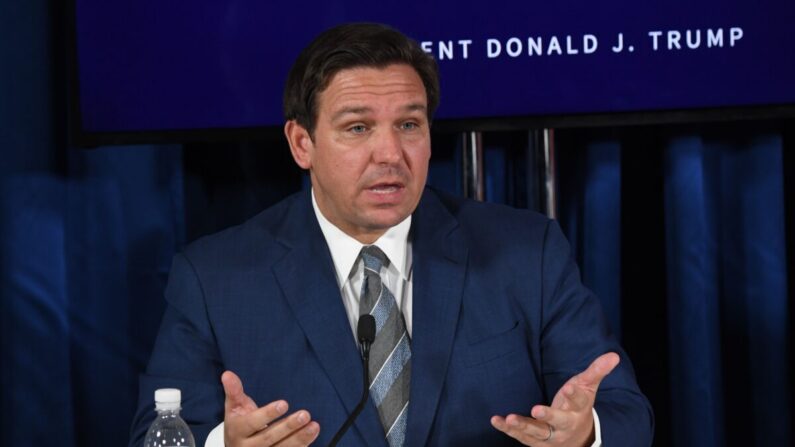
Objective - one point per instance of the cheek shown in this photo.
(346, 170)
(419, 157)
(353, 162)
(334, 161)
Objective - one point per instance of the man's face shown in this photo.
(369, 158)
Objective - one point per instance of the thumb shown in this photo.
(236, 399)
(598, 370)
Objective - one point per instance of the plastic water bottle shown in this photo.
(168, 429)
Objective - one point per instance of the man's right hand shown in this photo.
(246, 425)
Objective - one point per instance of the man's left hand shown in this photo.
(569, 420)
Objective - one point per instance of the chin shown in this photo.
(381, 220)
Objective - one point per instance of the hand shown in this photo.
(569, 420)
(247, 425)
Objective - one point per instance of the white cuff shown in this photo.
(216, 437)
(596, 428)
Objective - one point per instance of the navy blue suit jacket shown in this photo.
(500, 322)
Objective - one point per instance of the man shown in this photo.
(485, 335)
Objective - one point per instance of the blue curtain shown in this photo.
(85, 258)
(720, 193)
(727, 286)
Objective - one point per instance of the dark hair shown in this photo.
(349, 46)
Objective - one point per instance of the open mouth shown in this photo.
(385, 188)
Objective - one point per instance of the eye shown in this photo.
(409, 125)
(357, 129)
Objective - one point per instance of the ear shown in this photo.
(301, 145)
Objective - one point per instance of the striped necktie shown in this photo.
(390, 354)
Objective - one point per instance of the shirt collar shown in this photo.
(345, 249)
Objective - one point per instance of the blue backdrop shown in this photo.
(685, 233)
(150, 64)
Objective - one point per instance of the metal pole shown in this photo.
(541, 178)
(473, 165)
(550, 176)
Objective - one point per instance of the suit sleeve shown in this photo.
(185, 356)
(574, 333)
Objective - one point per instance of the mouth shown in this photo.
(385, 188)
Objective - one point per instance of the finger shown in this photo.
(524, 429)
(236, 399)
(302, 437)
(597, 370)
(262, 418)
(571, 425)
(576, 398)
(282, 430)
(560, 419)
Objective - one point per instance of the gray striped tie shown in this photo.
(390, 354)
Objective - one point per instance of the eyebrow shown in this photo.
(416, 107)
(365, 110)
(350, 111)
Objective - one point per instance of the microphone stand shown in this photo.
(366, 332)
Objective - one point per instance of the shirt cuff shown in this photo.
(596, 428)
(216, 437)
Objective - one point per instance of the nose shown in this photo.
(388, 147)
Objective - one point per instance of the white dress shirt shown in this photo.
(349, 271)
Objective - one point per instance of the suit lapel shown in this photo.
(439, 256)
(306, 276)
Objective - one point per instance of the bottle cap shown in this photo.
(168, 399)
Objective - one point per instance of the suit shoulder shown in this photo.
(488, 217)
(257, 233)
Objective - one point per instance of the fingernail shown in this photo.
(280, 406)
(540, 413)
(312, 429)
(302, 417)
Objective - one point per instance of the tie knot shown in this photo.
(374, 258)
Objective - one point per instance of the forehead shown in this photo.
(392, 83)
